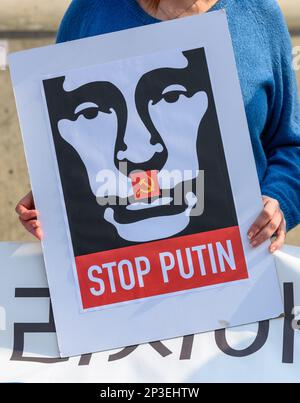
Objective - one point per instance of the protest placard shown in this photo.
(142, 169)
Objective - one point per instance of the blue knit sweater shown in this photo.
(264, 59)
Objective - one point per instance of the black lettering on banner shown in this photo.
(187, 344)
(21, 328)
(259, 342)
(85, 360)
(125, 352)
(160, 348)
(288, 331)
(186, 348)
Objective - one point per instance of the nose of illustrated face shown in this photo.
(140, 153)
(140, 149)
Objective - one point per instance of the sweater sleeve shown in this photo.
(281, 139)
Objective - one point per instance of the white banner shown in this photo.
(264, 352)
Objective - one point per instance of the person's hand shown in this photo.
(28, 215)
(269, 223)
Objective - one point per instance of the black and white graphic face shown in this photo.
(137, 115)
(141, 121)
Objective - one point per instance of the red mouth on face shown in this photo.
(145, 184)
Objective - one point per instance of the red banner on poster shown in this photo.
(161, 267)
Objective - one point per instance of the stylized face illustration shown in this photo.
(134, 116)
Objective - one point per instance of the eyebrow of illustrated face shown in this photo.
(85, 105)
(100, 95)
(173, 87)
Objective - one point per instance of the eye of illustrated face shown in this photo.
(171, 94)
(89, 110)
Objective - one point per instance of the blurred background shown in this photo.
(31, 23)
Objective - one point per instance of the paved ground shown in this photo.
(14, 180)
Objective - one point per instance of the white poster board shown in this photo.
(150, 269)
